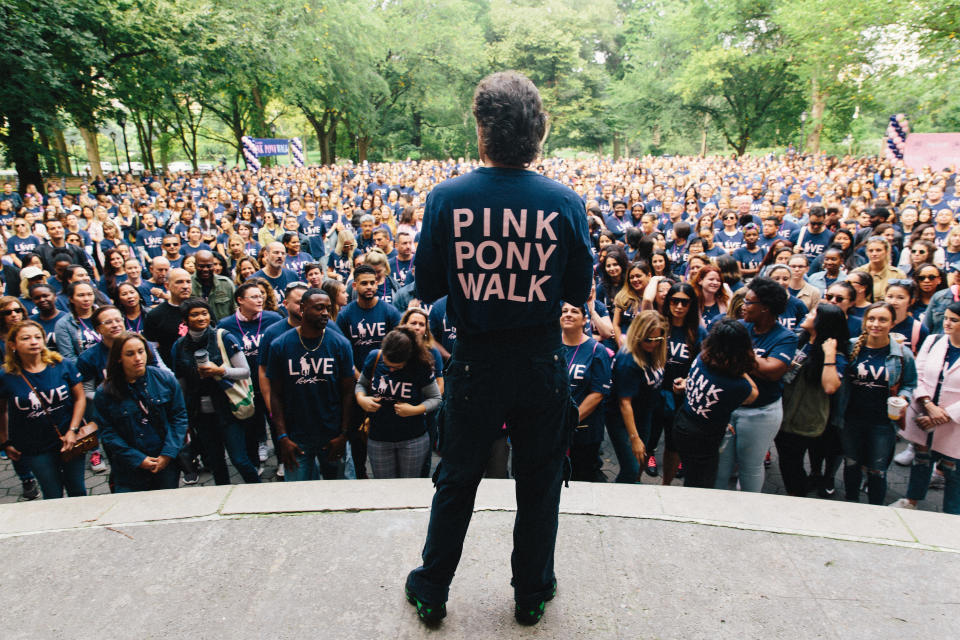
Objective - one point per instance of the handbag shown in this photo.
(86, 436)
(239, 392)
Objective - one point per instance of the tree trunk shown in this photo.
(363, 145)
(417, 138)
(656, 135)
(164, 151)
(23, 152)
(818, 106)
(60, 148)
(93, 152)
(258, 118)
(333, 138)
(703, 135)
(616, 147)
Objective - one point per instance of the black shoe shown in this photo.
(652, 469)
(530, 615)
(30, 489)
(679, 474)
(430, 614)
(190, 477)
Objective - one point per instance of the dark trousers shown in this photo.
(699, 452)
(791, 450)
(867, 447)
(826, 455)
(254, 430)
(585, 463)
(216, 433)
(131, 480)
(519, 380)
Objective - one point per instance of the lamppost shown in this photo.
(803, 131)
(122, 121)
(116, 156)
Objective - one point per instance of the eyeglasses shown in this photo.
(171, 244)
(918, 251)
(682, 302)
(833, 298)
(933, 276)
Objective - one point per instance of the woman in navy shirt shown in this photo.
(398, 388)
(41, 408)
(588, 368)
(901, 294)
(637, 375)
(716, 385)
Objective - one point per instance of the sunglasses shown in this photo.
(652, 340)
(918, 251)
(934, 276)
(834, 298)
(683, 302)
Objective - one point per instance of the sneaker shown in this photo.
(652, 469)
(262, 452)
(3, 454)
(280, 470)
(905, 457)
(937, 481)
(679, 474)
(430, 614)
(903, 503)
(97, 465)
(767, 461)
(191, 477)
(529, 615)
(31, 491)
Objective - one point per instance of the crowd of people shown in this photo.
(740, 306)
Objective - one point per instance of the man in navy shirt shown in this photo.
(812, 239)
(506, 246)
(273, 270)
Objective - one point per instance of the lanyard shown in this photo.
(240, 325)
(136, 329)
(573, 359)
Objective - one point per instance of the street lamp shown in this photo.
(803, 131)
(116, 156)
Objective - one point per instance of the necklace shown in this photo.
(305, 348)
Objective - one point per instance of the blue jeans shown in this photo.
(131, 480)
(54, 475)
(920, 474)
(518, 379)
(23, 469)
(313, 465)
(755, 429)
(216, 433)
(867, 447)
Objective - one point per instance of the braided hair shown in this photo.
(862, 339)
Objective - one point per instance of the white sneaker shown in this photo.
(97, 465)
(262, 452)
(905, 457)
(937, 481)
(903, 503)
(280, 470)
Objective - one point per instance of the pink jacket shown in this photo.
(930, 362)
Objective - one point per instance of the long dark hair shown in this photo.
(115, 382)
(691, 321)
(403, 345)
(830, 322)
(609, 286)
(728, 348)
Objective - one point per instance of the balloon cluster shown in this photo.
(296, 150)
(250, 153)
(897, 132)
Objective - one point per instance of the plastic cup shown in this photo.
(895, 407)
(201, 357)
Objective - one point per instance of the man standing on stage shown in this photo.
(506, 245)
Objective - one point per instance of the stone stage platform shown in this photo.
(328, 559)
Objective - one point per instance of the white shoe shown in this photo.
(280, 470)
(97, 465)
(937, 481)
(905, 457)
(903, 503)
(262, 452)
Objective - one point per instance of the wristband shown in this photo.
(5, 444)
(282, 436)
(829, 364)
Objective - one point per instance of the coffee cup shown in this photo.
(895, 407)
(201, 357)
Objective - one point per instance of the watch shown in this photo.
(75, 430)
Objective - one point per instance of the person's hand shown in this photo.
(639, 451)
(12, 453)
(69, 439)
(162, 462)
(405, 409)
(937, 415)
(830, 349)
(924, 423)
(368, 404)
(336, 447)
(679, 385)
(149, 464)
(288, 452)
(209, 370)
(731, 429)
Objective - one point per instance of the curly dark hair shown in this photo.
(510, 117)
(770, 294)
(728, 348)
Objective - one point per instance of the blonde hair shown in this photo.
(376, 257)
(11, 361)
(641, 327)
(343, 237)
(627, 298)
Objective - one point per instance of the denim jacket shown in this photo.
(901, 369)
(122, 429)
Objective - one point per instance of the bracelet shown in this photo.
(5, 444)
(282, 436)
(829, 364)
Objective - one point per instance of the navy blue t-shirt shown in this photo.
(589, 370)
(749, 259)
(711, 397)
(366, 328)
(777, 343)
(869, 387)
(49, 327)
(310, 378)
(812, 244)
(441, 327)
(906, 329)
(151, 241)
(391, 387)
(507, 245)
(32, 418)
(20, 247)
(279, 283)
(630, 380)
(315, 230)
(793, 315)
(250, 334)
(680, 354)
